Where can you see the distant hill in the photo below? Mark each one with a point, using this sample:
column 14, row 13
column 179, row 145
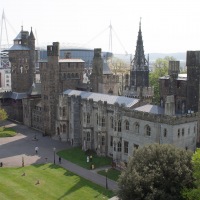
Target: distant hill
column 178, row 56
column 153, row 56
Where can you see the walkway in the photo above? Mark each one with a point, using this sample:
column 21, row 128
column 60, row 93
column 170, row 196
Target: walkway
column 12, row 150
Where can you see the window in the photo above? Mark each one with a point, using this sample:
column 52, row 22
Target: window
column 88, row 118
column 111, row 122
column 183, row 131
column 88, row 137
column 115, row 127
column 148, row 130
column 126, row 147
column 64, row 111
column 111, row 141
column 178, row 132
column 119, row 147
column 103, row 122
column 119, row 126
column 97, row 118
column 84, row 117
column 188, row 131
column 64, row 128
column 137, row 127
column 127, row 125
column 61, row 130
column 114, row 146
column 194, row 129
column 165, row 132
column 103, row 140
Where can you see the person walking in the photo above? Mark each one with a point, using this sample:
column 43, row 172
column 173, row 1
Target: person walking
column 36, row 150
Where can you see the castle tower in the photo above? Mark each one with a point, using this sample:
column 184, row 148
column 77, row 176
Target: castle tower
column 193, row 75
column 97, row 70
column 173, row 71
column 22, row 58
column 139, row 75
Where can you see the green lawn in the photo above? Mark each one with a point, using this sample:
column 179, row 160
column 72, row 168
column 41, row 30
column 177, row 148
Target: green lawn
column 55, row 183
column 112, row 174
column 7, row 132
column 79, row 157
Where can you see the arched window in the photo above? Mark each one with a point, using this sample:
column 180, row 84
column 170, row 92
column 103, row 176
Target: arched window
column 183, row 131
column 188, row 131
column 103, row 122
column 61, row 130
column 178, row 132
column 64, row 128
column 111, row 122
column 97, row 118
column 119, row 147
column 88, row 118
column 194, row 129
column 64, row 113
column 127, row 125
column 165, row 132
column 103, row 140
column 137, row 127
column 114, row 146
column 119, row 126
column 115, row 125
column 88, row 137
column 148, row 130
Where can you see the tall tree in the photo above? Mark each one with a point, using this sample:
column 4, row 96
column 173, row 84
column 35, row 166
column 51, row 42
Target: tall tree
column 194, row 194
column 160, row 68
column 156, row 172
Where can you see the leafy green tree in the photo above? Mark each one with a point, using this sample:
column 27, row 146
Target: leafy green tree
column 194, row 194
column 160, row 67
column 3, row 114
column 156, row 172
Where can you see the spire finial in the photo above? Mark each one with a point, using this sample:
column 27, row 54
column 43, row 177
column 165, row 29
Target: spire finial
column 140, row 23
column 22, row 28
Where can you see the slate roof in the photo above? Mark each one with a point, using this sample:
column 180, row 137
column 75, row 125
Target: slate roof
column 110, row 99
column 19, row 47
column 151, row 109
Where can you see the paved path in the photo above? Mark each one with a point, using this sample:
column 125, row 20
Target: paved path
column 12, row 150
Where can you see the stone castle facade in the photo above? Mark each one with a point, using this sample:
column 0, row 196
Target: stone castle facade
column 96, row 119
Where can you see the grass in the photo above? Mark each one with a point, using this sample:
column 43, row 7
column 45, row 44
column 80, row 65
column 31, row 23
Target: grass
column 79, row 157
column 112, row 174
column 55, row 182
column 7, row 132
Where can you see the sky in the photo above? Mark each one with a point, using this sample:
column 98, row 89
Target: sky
column 168, row 26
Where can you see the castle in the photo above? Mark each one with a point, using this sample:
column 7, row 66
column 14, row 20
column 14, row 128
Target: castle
column 98, row 118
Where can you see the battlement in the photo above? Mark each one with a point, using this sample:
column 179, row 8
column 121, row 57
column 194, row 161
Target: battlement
column 138, row 92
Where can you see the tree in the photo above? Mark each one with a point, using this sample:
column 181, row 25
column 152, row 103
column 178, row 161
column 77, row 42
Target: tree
column 156, row 172
column 118, row 66
column 3, row 114
column 160, row 67
column 194, row 194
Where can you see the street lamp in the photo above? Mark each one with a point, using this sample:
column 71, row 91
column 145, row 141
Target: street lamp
column 106, row 170
column 54, row 152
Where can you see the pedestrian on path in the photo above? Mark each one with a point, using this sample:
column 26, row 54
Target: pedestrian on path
column 36, row 150
column 59, row 160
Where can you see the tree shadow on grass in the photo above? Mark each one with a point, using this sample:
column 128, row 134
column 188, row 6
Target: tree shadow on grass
column 78, row 182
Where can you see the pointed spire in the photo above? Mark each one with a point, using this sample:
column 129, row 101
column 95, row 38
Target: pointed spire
column 31, row 34
column 140, row 24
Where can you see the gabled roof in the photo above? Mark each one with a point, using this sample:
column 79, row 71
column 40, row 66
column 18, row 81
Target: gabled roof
column 110, row 99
